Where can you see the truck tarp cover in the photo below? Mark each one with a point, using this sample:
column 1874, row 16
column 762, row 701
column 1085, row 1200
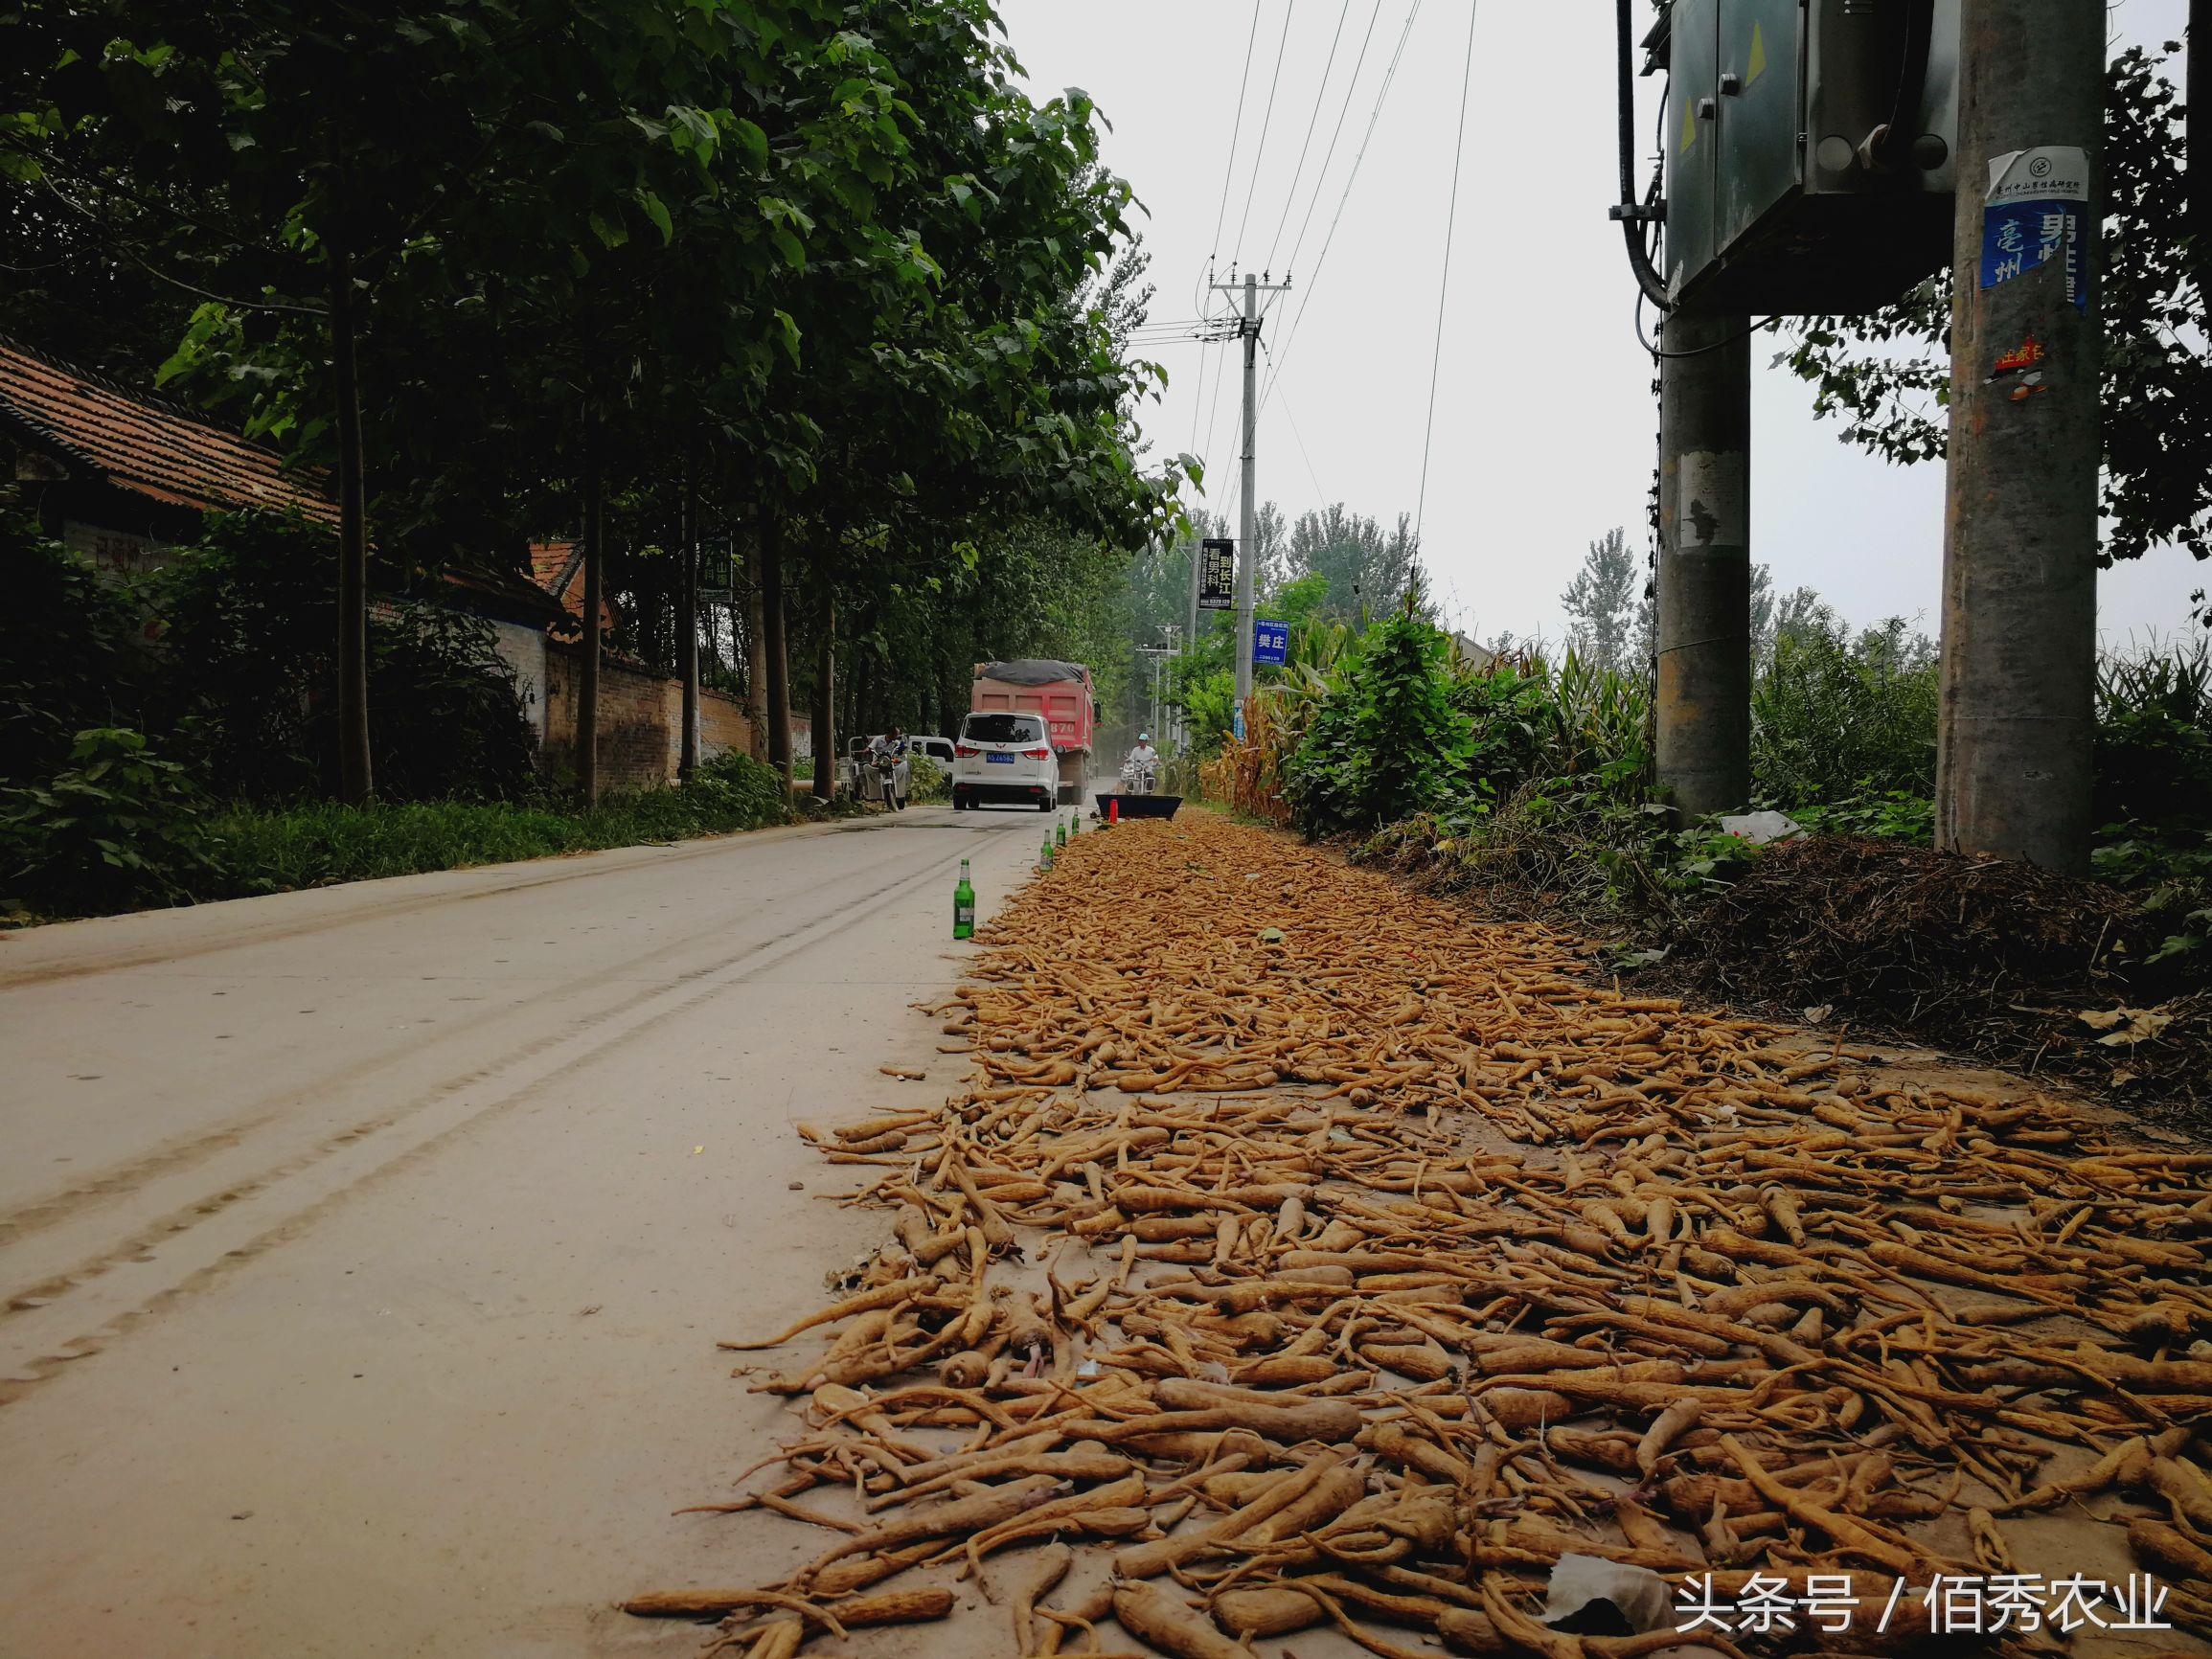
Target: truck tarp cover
column 1029, row 671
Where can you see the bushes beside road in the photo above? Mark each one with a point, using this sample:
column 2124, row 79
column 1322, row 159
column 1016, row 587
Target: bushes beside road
column 122, row 829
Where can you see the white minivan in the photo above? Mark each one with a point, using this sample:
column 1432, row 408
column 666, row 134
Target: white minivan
column 1005, row 758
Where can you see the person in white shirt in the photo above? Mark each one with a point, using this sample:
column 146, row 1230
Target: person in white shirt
column 892, row 747
column 1144, row 760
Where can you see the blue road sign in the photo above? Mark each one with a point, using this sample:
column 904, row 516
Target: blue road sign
column 1270, row 642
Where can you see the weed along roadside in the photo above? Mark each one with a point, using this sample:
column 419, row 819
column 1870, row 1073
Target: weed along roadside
column 1304, row 1251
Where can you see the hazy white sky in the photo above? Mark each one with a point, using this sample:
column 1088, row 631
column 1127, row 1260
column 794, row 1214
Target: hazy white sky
column 1546, row 425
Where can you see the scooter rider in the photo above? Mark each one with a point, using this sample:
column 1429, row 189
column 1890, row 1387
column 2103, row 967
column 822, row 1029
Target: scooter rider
column 1144, row 760
column 888, row 752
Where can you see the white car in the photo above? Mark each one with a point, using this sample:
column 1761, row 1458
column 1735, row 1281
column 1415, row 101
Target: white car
column 938, row 749
column 1004, row 757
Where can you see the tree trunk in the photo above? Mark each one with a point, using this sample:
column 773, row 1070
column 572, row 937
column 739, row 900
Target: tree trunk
column 594, row 567
column 776, row 683
column 826, row 686
column 687, row 621
column 356, row 778
column 756, row 653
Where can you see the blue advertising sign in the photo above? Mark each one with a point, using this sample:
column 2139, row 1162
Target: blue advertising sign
column 1271, row 643
column 2036, row 210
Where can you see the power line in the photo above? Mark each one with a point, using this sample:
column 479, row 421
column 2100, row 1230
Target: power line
column 1444, row 286
column 1221, row 213
column 1214, row 422
column 1312, row 120
column 1198, row 402
column 1351, row 178
column 1321, row 495
column 1320, row 178
column 1260, row 150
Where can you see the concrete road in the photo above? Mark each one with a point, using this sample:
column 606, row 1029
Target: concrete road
column 362, row 1250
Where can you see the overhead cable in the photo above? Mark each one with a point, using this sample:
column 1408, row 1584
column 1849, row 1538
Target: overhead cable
column 1444, row 286
column 1312, row 120
column 1351, row 178
column 1260, row 150
column 1344, row 109
column 1221, row 213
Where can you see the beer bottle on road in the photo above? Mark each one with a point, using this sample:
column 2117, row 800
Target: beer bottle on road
column 964, row 906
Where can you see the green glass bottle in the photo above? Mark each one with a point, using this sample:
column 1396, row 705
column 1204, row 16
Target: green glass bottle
column 1059, row 835
column 1044, row 855
column 964, row 906
column 1075, row 824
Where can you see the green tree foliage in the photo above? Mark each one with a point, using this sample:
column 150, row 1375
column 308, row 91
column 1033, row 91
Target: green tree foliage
column 2155, row 738
column 119, row 825
column 1365, row 568
column 1613, row 611
column 1887, row 374
column 249, row 625
column 830, row 264
column 1836, row 716
column 1601, row 601
column 1389, row 743
column 68, row 653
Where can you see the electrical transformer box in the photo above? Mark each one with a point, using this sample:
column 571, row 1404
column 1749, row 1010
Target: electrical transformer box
column 1810, row 150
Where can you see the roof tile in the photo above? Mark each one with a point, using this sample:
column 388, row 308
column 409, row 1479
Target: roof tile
column 152, row 448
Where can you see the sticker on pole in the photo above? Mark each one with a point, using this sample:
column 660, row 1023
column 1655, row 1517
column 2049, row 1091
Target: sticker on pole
column 1217, row 573
column 1271, row 643
column 2037, row 209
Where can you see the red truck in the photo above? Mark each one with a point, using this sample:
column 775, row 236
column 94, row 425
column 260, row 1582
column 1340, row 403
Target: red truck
column 1061, row 692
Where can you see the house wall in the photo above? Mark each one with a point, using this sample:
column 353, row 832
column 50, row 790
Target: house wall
column 114, row 552
column 523, row 649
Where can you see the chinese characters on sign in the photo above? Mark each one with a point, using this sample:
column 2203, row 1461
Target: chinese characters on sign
column 2037, row 209
column 1271, row 641
column 1216, row 575
column 2021, row 1603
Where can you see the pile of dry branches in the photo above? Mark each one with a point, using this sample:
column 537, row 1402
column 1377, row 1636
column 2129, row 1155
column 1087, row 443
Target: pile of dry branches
column 1304, row 1252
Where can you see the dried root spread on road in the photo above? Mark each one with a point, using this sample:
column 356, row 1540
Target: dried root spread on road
column 1305, row 1253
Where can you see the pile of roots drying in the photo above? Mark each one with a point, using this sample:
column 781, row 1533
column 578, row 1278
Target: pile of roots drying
column 1305, row 1253
column 1983, row 954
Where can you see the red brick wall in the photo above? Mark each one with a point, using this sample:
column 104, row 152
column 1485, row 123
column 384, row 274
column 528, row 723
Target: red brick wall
column 640, row 723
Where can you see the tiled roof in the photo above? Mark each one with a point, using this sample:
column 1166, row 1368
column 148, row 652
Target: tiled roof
column 151, row 448
column 555, row 566
column 558, row 567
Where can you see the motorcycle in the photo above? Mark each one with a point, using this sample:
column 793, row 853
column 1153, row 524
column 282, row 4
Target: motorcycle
column 1138, row 779
column 887, row 764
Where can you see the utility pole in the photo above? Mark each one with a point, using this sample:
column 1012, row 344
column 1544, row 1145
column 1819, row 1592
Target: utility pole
column 1704, row 597
column 1198, row 565
column 1248, row 509
column 2013, row 734
column 687, row 622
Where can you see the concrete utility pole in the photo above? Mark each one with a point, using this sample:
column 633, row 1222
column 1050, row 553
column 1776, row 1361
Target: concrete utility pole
column 1248, row 509
column 1705, row 598
column 2014, row 732
column 688, row 623
column 1197, row 564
